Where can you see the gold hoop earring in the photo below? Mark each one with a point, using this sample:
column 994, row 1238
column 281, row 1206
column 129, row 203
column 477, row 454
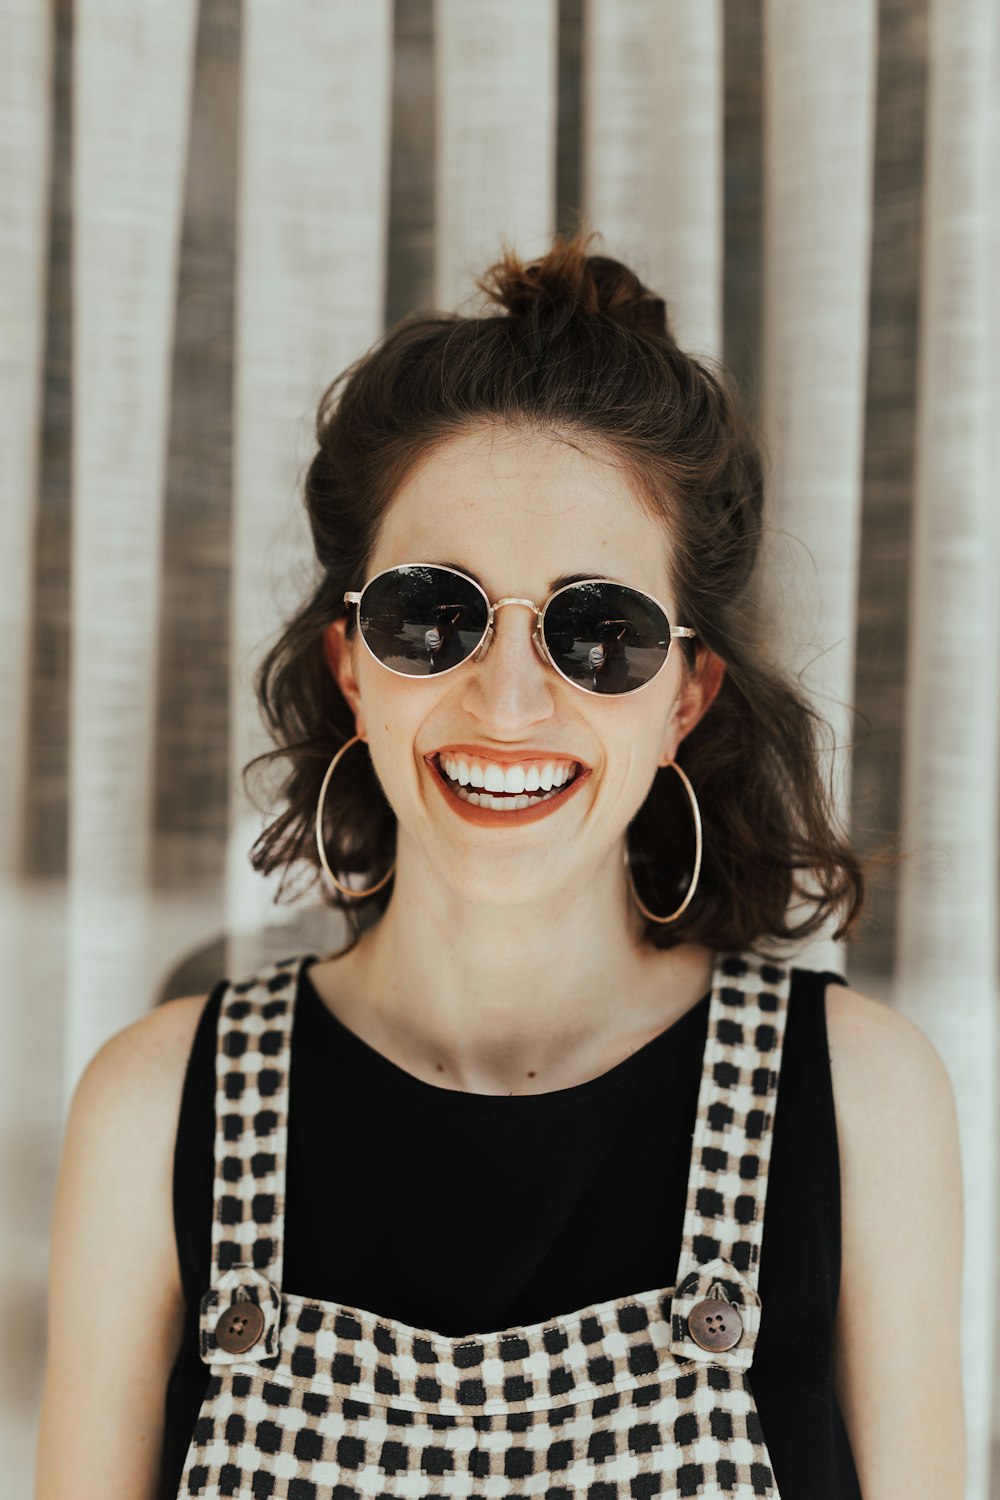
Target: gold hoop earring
column 344, row 889
column 696, row 812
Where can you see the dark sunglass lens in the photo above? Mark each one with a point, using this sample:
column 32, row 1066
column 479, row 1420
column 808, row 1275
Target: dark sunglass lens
column 606, row 637
column 421, row 620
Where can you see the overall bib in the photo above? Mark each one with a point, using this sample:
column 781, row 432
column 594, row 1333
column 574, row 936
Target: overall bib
column 643, row 1397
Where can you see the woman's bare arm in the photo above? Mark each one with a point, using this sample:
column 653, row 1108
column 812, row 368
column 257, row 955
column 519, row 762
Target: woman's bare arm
column 115, row 1304
column 897, row 1347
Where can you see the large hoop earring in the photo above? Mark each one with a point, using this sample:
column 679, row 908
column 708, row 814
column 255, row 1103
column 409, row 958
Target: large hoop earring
column 696, row 812
column 344, row 889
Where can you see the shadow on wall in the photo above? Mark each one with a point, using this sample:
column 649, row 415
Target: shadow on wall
column 196, row 972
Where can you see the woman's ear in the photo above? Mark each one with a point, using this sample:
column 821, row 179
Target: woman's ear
column 696, row 697
column 339, row 655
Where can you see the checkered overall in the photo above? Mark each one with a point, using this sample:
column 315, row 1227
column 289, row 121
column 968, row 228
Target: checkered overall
column 644, row 1397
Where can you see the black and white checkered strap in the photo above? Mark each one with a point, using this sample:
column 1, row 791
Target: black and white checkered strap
column 731, row 1150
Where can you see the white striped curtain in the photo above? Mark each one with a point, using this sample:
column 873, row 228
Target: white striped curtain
column 210, row 209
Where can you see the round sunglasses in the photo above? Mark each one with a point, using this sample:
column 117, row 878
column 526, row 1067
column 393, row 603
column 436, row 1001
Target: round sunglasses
column 425, row 619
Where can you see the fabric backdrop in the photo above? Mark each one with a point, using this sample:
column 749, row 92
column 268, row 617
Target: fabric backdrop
column 210, row 209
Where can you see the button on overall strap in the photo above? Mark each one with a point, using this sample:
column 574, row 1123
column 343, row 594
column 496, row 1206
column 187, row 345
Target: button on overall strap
column 715, row 1307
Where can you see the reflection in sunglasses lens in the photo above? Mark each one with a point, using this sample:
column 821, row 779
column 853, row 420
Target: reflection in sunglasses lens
column 606, row 637
column 420, row 620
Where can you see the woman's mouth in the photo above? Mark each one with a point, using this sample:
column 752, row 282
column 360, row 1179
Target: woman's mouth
column 494, row 809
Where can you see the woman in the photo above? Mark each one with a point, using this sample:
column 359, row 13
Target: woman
column 530, row 1116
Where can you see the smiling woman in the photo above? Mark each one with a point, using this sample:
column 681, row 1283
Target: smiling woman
column 562, row 1177
column 573, row 431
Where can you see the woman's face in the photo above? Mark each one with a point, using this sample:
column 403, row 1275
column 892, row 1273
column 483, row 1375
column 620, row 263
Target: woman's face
column 517, row 511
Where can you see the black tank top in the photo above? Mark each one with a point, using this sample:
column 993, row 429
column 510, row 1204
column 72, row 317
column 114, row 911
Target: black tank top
column 467, row 1212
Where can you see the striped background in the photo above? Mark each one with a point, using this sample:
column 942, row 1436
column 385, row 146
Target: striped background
column 207, row 210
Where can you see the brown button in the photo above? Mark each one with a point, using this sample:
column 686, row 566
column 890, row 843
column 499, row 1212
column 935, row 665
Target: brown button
column 715, row 1324
column 239, row 1328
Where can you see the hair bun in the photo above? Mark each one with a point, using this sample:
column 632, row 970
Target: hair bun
column 567, row 276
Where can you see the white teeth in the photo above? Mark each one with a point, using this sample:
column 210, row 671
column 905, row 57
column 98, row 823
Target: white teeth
column 503, row 804
column 493, row 778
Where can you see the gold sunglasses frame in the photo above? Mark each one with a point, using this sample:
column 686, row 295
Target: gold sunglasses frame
column 353, row 596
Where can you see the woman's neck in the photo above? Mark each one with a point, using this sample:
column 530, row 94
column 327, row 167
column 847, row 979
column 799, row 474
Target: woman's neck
column 505, row 1000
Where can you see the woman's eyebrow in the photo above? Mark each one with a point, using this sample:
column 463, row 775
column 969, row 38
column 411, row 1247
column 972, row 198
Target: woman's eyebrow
column 557, row 583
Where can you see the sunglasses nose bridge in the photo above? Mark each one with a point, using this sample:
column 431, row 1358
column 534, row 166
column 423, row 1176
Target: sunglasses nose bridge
column 536, row 632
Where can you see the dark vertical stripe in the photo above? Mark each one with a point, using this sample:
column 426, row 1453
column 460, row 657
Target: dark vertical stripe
column 192, row 713
column 44, row 852
column 890, row 436
column 410, row 271
column 743, row 196
column 569, row 118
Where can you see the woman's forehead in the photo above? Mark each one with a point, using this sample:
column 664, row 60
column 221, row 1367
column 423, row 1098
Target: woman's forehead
column 539, row 472
column 525, row 507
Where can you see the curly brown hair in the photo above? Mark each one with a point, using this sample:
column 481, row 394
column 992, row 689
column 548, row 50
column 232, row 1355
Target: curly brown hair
column 581, row 348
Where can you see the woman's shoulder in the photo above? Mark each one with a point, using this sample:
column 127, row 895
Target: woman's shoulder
column 898, row 1134
column 126, row 1104
column 902, row 1231
column 137, row 1074
column 866, row 1034
column 886, row 1074
column 876, row 1050
column 114, row 1282
column 884, row 1069
column 148, row 1054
